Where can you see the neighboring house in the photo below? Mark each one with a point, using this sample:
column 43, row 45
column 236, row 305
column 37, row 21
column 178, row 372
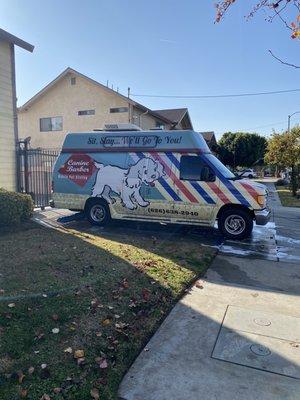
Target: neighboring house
column 74, row 102
column 210, row 139
column 8, row 113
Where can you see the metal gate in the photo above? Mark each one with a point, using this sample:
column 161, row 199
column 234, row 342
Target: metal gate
column 35, row 172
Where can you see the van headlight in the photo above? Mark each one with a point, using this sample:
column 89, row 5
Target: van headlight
column 262, row 199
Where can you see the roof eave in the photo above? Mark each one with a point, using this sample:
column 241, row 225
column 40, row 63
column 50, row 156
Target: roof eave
column 8, row 37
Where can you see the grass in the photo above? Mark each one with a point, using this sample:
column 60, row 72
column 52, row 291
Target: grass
column 105, row 294
column 286, row 197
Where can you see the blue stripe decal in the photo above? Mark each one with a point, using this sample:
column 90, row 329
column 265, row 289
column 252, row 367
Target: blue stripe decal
column 195, row 185
column 164, row 183
column 238, row 195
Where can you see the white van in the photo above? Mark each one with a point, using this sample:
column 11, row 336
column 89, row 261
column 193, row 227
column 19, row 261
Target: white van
column 163, row 176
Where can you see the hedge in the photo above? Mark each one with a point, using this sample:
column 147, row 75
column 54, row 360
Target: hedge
column 14, row 207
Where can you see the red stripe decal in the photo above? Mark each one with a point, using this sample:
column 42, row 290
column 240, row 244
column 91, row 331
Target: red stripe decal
column 250, row 190
column 177, row 182
column 222, row 196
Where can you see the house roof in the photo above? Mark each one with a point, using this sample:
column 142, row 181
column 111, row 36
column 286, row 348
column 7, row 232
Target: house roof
column 74, row 72
column 209, row 137
column 8, row 37
column 173, row 114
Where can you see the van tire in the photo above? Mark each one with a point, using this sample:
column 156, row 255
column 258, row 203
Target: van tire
column 235, row 224
column 250, row 176
column 97, row 212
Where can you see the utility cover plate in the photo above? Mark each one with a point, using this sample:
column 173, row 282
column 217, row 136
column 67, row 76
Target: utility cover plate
column 265, row 341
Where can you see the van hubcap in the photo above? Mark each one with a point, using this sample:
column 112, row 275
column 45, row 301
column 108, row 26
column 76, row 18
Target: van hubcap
column 235, row 224
column 97, row 213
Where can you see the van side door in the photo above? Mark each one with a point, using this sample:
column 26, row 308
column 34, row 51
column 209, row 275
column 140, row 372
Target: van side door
column 194, row 176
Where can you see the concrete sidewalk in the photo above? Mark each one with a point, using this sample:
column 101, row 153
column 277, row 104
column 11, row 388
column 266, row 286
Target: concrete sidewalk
column 234, row 336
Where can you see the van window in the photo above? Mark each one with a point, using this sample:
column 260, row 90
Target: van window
column 192, row 168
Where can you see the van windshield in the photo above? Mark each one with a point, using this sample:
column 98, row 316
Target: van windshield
column 220, row 167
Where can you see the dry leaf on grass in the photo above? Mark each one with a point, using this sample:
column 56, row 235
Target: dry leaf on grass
column 95, row 394
column 78, row 354
column 106, row 322
column 30, row 370
column 11, row 305
column 23, row 393
column 68, row 350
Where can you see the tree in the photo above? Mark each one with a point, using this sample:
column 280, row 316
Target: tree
column 284, row 151
column 241, row 148
column 279, row 9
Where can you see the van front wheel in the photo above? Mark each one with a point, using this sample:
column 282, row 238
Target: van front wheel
column 235, row 224
column 97, row 213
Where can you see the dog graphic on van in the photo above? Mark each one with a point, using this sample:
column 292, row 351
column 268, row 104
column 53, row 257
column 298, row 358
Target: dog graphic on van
column 126, row 183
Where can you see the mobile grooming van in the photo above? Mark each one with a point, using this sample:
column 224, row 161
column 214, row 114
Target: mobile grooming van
column 162, row 176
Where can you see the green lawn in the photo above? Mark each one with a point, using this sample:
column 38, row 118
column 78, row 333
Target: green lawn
column 104, row 295
column 286, row 197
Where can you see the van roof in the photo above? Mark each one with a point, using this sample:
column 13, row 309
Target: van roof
column 129, row 141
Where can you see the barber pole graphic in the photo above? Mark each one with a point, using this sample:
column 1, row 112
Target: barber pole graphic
column 78, row 168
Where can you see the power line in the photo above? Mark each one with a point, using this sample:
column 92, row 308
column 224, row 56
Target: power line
column 217, row 96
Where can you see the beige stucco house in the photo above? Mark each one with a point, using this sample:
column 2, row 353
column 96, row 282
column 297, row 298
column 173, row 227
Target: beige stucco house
column 74, row 102
column 8, row 111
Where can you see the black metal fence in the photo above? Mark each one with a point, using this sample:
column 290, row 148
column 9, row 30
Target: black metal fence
column 35, row 172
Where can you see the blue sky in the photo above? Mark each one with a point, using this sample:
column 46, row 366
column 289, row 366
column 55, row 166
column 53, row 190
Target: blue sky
column 162, row 47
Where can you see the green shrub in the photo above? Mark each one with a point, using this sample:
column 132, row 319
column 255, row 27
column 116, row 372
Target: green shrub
column 14, row 207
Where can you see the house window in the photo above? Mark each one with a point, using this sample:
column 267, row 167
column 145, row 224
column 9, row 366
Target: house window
column 51, row 124
column 118, row 109
column 86, row 112
column 73, row 80
column 159, row 125
column 192, row 168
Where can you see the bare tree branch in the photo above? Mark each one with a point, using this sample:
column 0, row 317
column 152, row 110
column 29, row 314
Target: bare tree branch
column 283, row 62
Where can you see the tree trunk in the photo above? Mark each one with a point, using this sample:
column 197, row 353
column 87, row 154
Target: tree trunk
column 294, row 181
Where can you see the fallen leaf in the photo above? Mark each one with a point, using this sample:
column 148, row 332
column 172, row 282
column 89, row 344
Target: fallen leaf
column 80, row 361
column 30, row 370
column 78, row 354
column 98, row 334
column 106, row 322
column 103, row 364
column 68, row 350
column 44, row 295
column 23, row 393
column 56, row 390
column 121, row 325
column 146, row 294
column 45, row 397
column 55, row 330
column 43, row 366
column 2, row 291
column 21, row 376
column 55, row 317
column 11, row 305
column 125, row 283
column 95, row 393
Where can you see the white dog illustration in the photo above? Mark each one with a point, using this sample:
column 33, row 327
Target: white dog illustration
column 126, row 182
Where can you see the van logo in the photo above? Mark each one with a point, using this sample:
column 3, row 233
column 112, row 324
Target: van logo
column 126, row 183
column 78, row 168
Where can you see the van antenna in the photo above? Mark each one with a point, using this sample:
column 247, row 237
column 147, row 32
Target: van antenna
column 107, row 83
column 128, row 92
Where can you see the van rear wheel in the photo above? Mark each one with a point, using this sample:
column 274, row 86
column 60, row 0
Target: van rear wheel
column 97, row 213
column 235, row 224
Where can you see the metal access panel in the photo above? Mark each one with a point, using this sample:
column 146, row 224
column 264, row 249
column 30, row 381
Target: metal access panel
column 265, row 341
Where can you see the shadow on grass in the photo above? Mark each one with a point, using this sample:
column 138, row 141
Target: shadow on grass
column 106, row 295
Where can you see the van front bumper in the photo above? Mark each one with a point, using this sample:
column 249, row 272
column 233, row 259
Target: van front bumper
column 262, row 217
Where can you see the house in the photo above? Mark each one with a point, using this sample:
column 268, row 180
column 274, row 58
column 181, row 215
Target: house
column 75, row 102
column 8, row 109
column 210, row 139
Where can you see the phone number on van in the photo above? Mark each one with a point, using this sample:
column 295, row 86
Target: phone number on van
column 173, row 212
